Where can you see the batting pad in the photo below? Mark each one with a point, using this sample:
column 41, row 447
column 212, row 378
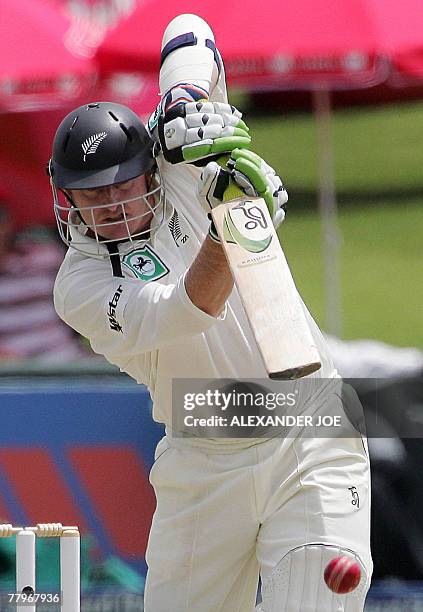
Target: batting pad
column 297, row 583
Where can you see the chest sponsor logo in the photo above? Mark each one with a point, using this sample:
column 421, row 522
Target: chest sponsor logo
column 111, row 312
column 145, row 264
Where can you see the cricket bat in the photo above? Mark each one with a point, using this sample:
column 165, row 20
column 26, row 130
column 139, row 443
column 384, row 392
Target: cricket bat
column 266, row 287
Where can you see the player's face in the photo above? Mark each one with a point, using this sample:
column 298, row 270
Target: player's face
column 116, row 210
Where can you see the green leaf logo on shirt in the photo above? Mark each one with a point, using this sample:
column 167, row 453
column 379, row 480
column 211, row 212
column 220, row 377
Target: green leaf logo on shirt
column 145, row 264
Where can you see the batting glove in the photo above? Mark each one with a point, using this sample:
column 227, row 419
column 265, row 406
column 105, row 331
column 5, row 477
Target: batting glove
column 251, row 174
column 192, row 129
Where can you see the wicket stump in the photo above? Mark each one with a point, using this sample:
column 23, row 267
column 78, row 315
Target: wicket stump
column 25, row 563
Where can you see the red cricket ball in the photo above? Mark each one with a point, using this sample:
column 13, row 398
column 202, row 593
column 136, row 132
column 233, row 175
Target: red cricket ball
column 342, row 574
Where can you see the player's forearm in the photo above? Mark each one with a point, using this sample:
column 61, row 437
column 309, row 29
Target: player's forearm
column 208, row 281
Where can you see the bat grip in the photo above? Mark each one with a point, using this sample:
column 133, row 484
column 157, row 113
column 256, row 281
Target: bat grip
column 232, row 191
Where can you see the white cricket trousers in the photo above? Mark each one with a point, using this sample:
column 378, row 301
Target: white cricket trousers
column 224, row 515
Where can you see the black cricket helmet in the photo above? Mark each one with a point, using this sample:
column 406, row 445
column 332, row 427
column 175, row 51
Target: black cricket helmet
column 100, row 144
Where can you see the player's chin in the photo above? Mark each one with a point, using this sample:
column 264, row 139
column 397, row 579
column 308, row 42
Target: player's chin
column 123, row 231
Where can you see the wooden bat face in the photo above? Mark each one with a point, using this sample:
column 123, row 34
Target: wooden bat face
column 266, row 288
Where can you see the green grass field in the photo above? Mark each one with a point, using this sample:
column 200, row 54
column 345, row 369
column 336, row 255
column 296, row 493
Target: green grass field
column 379, row 177
column 375, row 148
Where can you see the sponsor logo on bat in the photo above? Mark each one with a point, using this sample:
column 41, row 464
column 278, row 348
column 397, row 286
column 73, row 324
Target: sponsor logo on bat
column 246, row 225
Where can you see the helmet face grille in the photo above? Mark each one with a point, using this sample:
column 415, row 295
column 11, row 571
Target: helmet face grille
column 100, row 144
column 135, row 217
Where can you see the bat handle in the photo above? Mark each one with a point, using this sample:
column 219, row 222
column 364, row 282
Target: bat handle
column 232, row 191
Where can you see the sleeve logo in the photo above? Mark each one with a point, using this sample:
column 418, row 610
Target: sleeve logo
column 111, row 312
column 154, row 119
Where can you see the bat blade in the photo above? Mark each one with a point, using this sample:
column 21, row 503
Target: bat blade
column 266, row 288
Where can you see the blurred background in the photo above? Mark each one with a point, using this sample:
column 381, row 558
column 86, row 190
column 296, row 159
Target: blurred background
column 333, row 95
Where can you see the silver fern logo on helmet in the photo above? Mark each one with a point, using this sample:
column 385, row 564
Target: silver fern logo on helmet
column 90, row 145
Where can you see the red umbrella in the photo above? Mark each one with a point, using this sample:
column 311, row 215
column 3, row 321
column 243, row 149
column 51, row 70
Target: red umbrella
column 35, row 63
column 282, row 44
column 43, row 69
column 38, row 73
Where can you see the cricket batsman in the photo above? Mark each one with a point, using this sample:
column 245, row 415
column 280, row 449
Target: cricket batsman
column 145, row 279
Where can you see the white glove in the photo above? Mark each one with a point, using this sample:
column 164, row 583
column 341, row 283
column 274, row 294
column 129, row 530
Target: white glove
column 191, row 131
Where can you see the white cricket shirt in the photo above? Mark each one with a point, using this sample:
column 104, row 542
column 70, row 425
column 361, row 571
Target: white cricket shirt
column 145, row 322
